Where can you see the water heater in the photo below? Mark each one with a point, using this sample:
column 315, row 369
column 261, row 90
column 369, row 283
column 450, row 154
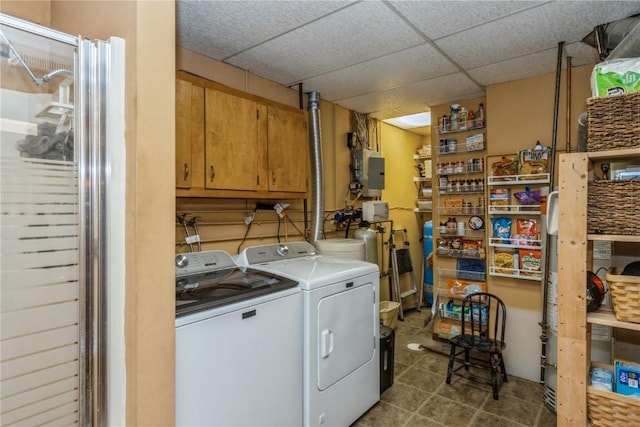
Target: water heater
column 369, row 172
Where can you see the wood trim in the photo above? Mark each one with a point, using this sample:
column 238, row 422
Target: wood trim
column 573, row 351
column 239, row 194
column 202, row 82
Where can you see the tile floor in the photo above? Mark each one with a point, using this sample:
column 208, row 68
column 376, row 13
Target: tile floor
column 420, row 397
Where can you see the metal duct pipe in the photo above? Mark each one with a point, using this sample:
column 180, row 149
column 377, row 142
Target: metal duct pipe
column 629, row 46
column 317, row 187
column 615, row 40
column 582, row 132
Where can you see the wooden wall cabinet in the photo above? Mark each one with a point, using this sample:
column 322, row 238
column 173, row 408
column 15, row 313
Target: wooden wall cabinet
column 288, row 158
column 235, row 143
column 230, row 144
column 189, row 133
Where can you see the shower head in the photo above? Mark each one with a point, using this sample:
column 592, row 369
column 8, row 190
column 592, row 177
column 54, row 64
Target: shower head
column 37, row 80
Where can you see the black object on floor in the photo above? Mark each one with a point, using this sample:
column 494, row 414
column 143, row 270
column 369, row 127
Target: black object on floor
column 387, row 346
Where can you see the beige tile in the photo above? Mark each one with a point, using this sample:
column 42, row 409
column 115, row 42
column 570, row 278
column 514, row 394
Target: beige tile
column 433, row 362
column 447, row 412
column 398, row 369
column 420, row 421
column 484, row 419
column 514, row 409
column 383, row 415
column 424, row 380
column 407, row 357
column 522, row 389
column 463, row 391
column 405, row 397
column 546, row 418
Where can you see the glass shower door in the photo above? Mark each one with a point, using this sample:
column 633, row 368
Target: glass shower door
column 53, row 199
column 42, row 299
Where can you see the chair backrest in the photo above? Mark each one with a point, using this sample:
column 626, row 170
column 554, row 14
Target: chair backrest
column 484, row 314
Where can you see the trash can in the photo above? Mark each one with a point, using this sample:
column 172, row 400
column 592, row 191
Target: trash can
column 387, row 337
column 389, row 313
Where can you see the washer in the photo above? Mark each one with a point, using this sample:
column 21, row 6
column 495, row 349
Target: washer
column 341, row 328
column 238, row 344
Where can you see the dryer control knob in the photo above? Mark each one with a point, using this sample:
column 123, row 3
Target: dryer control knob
column 282, row 250
column 181, row 261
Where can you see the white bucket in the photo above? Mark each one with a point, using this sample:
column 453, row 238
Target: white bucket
column 343, row 248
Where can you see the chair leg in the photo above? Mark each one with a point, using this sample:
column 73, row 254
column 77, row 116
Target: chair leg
column 504, row 371
column 494, row 376
column 452, row 356
column 467, row 362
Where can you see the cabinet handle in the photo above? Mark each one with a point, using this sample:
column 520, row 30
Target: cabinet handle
column 273, row 177
column 212, row 174
column 186, row 172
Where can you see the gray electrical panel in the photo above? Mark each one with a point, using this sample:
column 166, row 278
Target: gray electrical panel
column 369, row 169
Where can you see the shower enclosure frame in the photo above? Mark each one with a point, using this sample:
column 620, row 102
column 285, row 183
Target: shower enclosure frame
column 98, row 130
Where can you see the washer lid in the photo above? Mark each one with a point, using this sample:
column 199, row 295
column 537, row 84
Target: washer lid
column 221, row 287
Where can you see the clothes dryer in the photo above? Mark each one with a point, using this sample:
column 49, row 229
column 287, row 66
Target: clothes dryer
column 341, row 366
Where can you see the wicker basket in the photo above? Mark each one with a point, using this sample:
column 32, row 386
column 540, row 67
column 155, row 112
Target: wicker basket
column 613, row 122
column 625, row 295
column 608, row 409
column 612, row 207
column 389, row 313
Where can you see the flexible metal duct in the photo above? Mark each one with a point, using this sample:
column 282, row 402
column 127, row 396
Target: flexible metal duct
column 629, row 46
column 617, row 39
column 317, row 187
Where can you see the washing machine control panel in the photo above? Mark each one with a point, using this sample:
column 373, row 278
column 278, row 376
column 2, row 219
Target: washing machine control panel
column 274, row 252
column 197, row 262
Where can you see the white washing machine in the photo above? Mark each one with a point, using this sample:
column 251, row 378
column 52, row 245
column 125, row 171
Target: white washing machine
column 238, row 344
column 341, row 369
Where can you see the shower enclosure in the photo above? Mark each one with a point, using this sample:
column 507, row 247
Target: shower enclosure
column 60, row 129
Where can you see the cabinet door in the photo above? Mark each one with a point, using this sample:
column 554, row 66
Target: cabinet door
column 234, row 150
column 189, row 134
column 288, row 150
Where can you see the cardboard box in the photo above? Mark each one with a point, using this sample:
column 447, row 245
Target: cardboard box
column 475, row 142
column 448, row 329
column 627, row 377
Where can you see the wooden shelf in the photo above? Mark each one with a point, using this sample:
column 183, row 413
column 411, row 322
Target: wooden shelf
column 614, row 154
column 605, row 316
column 614, row 237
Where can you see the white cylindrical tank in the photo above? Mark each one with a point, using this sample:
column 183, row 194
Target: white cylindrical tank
column 343, row 248
column 370, row 239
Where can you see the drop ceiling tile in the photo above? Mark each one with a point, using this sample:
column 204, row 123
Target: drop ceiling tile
column 429, row 92
column 571, row 21
column 517, row 68
column 383, row 73
column 352, row 35
column 218, row 29
column 521, row 34
column 437, row 19
column 581, row 54
column 530, row 31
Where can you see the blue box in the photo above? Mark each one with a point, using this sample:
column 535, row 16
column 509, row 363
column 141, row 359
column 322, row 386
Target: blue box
column 627, row 376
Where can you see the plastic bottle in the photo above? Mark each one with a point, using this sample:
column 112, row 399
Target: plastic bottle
column 370, row 238
column 454, row 117
column 480, row 116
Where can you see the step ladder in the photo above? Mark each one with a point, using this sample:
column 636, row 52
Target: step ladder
column 399, row 265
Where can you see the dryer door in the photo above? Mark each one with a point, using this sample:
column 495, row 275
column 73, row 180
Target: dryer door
column 346, row 336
